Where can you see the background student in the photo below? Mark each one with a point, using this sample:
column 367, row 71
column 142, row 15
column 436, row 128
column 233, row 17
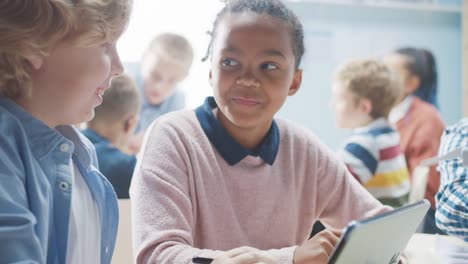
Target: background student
column 364, row 92
column 165, row 64
column 110, row 130
column 418, row 122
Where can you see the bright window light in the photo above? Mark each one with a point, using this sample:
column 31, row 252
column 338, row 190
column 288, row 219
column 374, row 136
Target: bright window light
column 190, row 18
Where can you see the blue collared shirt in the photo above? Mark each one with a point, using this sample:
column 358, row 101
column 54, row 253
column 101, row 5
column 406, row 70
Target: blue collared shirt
column 114, row 164
column 150, row 112
column 226, row 145
column 452, row 198
column 35, row 188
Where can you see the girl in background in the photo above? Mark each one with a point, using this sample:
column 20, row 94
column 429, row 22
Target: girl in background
column 417, row 118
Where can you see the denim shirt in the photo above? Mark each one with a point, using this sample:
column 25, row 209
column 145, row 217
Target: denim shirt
column 36, row 184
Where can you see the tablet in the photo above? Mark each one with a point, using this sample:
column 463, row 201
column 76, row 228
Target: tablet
column 379, row 239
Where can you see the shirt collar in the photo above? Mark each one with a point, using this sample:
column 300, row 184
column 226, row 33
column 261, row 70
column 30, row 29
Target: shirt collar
column 84, row 150
column 375, row 124
column 44, row 139
column 227, row 146
column 400, row 110
column 377, row 127
column 93, row 136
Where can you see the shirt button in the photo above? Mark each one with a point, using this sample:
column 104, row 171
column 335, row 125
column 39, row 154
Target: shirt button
column 64, row 147
column 107, row 250
column 64, row 186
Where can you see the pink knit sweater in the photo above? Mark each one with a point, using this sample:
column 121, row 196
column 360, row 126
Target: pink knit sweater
column 187, row 201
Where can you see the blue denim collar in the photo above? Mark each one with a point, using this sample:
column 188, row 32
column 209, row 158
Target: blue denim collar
column 44, row 139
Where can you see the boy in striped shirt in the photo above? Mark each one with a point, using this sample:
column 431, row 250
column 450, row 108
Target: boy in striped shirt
column 364, row 91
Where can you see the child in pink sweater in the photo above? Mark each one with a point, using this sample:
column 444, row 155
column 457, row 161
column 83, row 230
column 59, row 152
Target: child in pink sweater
column 229, row 174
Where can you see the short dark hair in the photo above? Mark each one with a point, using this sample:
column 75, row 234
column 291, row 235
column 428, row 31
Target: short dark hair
column 422, row 63
column 120, row 100
column 274, row 8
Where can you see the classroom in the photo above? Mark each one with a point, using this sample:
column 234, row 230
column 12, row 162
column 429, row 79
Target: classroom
column 234, row 131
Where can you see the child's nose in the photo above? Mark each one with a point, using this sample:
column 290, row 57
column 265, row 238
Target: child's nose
column 247, row 77
column 116, row 64
column 248, row 82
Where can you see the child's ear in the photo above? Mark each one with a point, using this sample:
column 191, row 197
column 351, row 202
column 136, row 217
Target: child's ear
column 35, row 61
column 412, row 84
column 296, row 83
column 210, row 78
column 365, row 105
column 130, row 123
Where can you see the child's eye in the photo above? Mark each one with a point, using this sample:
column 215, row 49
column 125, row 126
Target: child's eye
column 229, row 62
column 268, row 66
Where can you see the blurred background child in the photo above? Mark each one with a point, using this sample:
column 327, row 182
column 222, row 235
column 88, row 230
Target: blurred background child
column 165, row 63
column 418, row 121
column 421, row 64
column 364, row 91
column 110, row 130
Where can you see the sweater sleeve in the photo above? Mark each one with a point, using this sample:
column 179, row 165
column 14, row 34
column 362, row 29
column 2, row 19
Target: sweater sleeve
column 354, row 202
column 162, row 211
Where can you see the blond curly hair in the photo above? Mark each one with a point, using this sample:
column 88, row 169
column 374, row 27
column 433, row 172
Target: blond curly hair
column 373, row 80
column 33, row 27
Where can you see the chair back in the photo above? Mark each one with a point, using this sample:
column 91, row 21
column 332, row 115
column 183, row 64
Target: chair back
column 123, row 247
column 418, row 184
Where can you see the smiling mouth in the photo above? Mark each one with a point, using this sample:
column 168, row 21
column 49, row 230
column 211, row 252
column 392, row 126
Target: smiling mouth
column 246, row 101
column 100, row 92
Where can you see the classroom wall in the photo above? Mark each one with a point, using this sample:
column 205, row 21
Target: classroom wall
column 184, row 17
column 335, row 33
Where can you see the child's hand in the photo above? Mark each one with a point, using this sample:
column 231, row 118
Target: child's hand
column 243, row 255
column 317, row 249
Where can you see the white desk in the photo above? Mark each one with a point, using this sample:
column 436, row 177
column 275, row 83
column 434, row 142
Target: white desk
column 421, row 248
column 123, row 247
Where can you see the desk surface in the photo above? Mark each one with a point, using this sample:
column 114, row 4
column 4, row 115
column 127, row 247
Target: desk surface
column 421, row 248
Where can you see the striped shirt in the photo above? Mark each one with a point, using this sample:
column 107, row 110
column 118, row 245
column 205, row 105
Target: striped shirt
column 452, row 198
column 373, row 156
